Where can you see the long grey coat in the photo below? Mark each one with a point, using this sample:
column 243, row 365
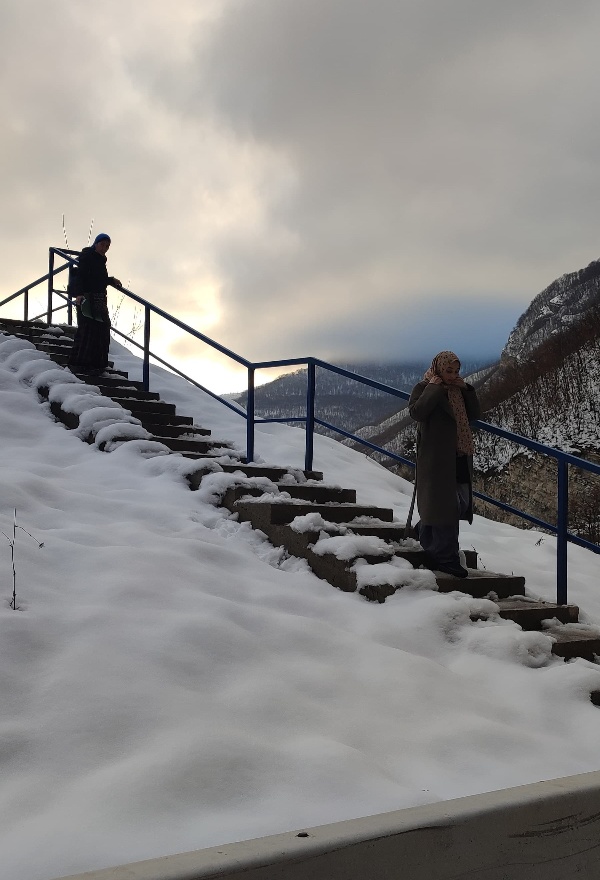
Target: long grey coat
column 436, row 452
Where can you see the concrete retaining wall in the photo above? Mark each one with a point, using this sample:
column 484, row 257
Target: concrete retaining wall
column 546, row 831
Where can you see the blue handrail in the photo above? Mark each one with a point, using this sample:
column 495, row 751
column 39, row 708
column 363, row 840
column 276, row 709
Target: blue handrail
column 563, row 459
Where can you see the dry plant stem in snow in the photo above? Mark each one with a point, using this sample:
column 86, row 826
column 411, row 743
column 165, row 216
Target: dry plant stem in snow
column 12, row 541
column 136, row 321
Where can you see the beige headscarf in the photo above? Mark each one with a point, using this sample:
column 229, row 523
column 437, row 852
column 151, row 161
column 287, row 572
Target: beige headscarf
column 464, row 436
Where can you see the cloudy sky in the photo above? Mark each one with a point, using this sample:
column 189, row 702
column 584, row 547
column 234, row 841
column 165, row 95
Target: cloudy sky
column 338, row 178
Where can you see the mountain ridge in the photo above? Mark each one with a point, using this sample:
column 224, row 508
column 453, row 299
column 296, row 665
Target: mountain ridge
column 347, row 403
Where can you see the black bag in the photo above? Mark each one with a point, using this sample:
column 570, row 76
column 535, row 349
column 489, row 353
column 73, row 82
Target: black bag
column 73, row 282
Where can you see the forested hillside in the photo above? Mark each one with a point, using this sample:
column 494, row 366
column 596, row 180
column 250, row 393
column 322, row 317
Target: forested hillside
column 566, row 301
column 560, row 406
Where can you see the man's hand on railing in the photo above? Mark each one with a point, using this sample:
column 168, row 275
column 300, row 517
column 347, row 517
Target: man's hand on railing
column 115, row 283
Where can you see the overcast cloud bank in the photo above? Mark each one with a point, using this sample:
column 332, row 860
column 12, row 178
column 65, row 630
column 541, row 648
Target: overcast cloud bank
column 412, row 173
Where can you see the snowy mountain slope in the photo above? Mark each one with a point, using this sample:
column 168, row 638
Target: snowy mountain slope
column 173, row 682
column 561, row 408
column 562, row 303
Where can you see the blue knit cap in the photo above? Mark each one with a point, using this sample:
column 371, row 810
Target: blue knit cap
column 102, row 236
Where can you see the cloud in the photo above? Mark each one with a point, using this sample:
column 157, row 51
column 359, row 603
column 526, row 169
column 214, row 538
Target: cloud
column 427, row 148
column 332, row 178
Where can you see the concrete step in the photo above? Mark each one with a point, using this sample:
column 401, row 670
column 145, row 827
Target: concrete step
column 63, row 361
column 17, row 327
column 571, row 644
column 272, row 473
column 146, row 407
column 175, row 444
column 389, row 531
column 120, row 393
column 280, row 513
column 303, row 491
column 481, row 584
column 211, row 456
column 117, row 374
column 60, row 345
column 394, row 532
column 419, row 558
column 480, row 587
column 338, row 572
column 42, row 338
column 529, row 614
column 69, row 420
column 112, row 381
column 175, row 430
column 319, row 494
column 149, row 419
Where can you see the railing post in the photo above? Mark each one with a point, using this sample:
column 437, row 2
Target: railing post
column 146, row 366
column 26, row 305
column 250, row 416
column 50, row 283
column 70, row 287
column 310, row 415
column 562, row 527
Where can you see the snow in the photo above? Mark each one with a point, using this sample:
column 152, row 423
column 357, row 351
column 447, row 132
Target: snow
column 567, row 421
column 398, row 572
column 172, row 681
column 350, row 546
column 313, row 522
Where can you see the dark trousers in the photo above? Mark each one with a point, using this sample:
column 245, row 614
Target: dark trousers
column 91, row 344
column 441, row 542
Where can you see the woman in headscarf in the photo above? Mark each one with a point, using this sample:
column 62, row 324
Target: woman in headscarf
column 92, row 340
column 443, row 404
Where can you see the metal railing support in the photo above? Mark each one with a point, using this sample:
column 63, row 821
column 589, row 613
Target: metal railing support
column 310, row 414
column 146, row 364
column 26, row 305
column 250, row 416
column 562, row 528
column 50, row 284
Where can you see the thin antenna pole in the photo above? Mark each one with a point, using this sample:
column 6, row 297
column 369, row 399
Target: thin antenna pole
column 65, row 231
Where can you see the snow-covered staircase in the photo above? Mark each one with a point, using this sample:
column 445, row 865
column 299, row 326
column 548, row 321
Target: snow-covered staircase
column 354, row 547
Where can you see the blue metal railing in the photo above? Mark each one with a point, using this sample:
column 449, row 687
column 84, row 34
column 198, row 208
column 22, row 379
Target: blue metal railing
column 564, row 460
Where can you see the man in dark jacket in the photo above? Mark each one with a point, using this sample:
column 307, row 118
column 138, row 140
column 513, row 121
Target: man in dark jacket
column 90, row 347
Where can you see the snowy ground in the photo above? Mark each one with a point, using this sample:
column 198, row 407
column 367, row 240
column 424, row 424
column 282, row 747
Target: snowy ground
column 171, row 682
